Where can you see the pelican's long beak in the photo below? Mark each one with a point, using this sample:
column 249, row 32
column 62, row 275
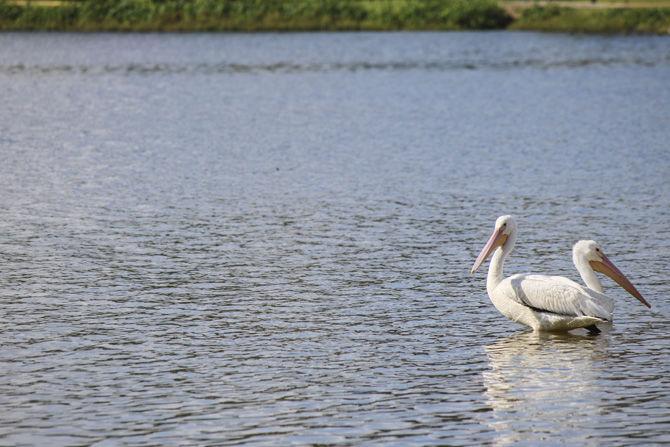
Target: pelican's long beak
column 609, row 269
column 497, row 239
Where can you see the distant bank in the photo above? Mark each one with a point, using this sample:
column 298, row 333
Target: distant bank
column 626, row 16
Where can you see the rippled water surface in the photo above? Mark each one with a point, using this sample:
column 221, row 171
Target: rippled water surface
column 265, row 239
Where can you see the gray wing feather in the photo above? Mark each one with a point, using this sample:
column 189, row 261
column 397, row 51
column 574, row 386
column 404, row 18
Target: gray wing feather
column 558, row 295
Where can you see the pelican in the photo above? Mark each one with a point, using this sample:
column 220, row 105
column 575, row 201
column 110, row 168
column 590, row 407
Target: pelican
column 551, row 303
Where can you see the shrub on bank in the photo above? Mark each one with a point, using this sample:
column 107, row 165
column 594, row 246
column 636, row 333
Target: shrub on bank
column 615, row 20
column 303, row 15
column 243, row 15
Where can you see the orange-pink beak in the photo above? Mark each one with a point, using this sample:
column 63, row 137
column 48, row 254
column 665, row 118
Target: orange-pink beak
column 608, row 268
column 497, row 239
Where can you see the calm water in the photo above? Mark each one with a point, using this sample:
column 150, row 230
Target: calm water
column 265, row 239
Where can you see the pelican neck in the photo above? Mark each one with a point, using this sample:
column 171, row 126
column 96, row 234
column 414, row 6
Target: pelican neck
column 588, row 275
column 495, row 275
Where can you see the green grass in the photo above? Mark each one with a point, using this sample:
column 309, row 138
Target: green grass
column 255, row 15
column 647, row 20
column 307, row 15
column 632, row 3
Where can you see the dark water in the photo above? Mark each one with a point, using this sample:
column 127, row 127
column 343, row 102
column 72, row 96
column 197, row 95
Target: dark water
column 265, row 239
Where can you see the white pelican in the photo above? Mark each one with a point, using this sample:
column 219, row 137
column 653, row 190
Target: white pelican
column 550, row 303
column 589, row 258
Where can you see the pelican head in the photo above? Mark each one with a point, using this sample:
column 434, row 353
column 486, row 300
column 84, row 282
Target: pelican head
column 504, row 230
column 592, row 253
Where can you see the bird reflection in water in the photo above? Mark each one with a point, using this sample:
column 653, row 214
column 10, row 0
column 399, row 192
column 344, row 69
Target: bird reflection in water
column 544, row 386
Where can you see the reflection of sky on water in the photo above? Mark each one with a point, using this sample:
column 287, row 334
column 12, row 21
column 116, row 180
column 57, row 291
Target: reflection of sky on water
column 265, row 238
column 536, row 380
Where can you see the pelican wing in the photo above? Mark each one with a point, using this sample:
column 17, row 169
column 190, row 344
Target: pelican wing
column 558, row 295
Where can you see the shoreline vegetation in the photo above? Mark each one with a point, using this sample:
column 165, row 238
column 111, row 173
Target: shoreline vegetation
column 625, row 16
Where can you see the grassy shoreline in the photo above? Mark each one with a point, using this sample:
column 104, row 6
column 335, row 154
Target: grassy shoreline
column 604, row 21
column 329, row 15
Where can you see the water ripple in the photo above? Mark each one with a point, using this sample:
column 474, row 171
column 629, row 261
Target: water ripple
column 292, row 67
column 283, row 260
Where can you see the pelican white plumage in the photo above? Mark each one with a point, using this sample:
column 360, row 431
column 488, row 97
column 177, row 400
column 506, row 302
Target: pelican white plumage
column 589, row 258
column 550, row 303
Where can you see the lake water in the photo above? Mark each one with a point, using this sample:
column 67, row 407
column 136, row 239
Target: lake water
column 219, row 239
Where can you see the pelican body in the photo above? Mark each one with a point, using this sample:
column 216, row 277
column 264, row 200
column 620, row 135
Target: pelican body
column 551, row 303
